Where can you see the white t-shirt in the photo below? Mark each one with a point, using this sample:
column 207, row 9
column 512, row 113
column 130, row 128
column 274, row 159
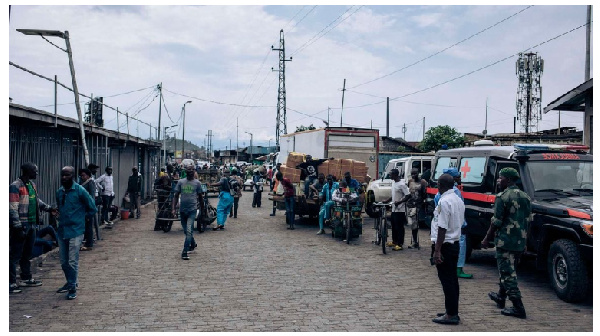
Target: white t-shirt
column 399, row 191
column 449, row 214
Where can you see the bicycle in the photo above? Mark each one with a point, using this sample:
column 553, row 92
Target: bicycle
column 381, row 225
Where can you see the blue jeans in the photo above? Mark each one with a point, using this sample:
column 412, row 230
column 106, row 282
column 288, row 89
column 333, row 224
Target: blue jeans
column 289, row 210
column 224, row 207
column 69, row 258
column 187, row 223
column 463, row 251
column 325, row 213
column 307, row 183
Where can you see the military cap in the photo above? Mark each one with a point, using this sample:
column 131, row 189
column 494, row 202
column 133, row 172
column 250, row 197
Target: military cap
column 451, row 171
column 509, row 172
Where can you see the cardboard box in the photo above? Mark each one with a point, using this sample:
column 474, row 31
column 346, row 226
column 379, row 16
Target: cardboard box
column 291, row 174
column 294, row 159
column 324, row 168
column 345, row 166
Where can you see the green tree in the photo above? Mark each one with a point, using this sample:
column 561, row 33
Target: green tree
column 305, row 128
column 437, row 136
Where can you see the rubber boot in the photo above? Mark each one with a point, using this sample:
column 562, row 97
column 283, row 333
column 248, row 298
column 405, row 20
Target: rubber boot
column 499, row 298
column 461, row 274
column 517, row 310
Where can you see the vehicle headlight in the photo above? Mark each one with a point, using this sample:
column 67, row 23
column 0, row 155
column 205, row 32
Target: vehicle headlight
column 588, row 227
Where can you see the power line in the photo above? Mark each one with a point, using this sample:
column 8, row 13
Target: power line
column 215, row 102
column 441, row 51
column 68, row 88
column 476, row 70
column 305, row 15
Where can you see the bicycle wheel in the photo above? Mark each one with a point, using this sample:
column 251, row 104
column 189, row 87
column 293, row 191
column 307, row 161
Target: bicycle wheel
column 377, row 233
column 383, row 234
column 348, row 228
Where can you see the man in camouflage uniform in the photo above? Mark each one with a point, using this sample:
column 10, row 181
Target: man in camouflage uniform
column 512, row 211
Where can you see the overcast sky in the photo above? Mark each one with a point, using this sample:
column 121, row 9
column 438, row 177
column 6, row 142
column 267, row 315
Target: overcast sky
column 440, row 63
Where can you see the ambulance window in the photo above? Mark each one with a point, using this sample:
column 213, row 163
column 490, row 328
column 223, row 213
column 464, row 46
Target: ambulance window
column 472, row 169
column 442, row 163
column 417, row 164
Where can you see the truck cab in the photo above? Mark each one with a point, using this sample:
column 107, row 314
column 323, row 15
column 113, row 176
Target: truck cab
column 558, row 179
column 381, row 189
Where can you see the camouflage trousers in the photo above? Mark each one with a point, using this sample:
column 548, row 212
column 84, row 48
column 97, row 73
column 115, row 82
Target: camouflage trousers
column 508, row 275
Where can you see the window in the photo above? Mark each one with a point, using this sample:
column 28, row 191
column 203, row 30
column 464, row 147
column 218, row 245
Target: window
column 472, row 169
column 442, row 163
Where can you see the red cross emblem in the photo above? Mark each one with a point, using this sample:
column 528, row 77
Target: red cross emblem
column 465, row 169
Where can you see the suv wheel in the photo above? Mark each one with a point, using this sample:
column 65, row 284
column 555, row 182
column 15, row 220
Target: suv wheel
column 369, row 206
column 567, row 272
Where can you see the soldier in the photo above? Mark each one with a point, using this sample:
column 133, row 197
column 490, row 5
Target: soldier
column 509, row 224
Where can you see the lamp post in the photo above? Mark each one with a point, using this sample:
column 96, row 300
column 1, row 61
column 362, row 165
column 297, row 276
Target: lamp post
column 65, row 35
column 250, row 146
column 183, row 131
column 165, row 144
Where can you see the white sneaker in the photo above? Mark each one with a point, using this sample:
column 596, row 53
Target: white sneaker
column 106, row 223
column 110, row 222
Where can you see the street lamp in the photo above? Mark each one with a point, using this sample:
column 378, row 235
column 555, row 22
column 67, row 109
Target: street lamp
column 250, row 146
column 165, row 144
column 183, row 132
column 65, row 35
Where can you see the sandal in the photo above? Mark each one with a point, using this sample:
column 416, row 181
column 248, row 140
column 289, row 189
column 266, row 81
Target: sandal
column 85, row 248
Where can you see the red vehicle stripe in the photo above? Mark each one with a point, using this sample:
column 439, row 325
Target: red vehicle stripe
column 578, row 214
column 479, row 197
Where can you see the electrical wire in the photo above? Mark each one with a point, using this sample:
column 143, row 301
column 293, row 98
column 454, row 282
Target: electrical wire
column 443, row 50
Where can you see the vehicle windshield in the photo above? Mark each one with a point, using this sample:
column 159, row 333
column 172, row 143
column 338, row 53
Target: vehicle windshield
column 562, row 177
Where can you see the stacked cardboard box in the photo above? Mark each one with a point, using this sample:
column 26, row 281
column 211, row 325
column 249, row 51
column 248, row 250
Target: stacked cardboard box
column 359, row 171
column 346, row 166
column 333, row 167
column 292, row 174
column 294, row 159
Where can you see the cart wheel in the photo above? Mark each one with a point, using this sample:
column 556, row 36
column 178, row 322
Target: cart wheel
column 167, row 226
column 158, row 225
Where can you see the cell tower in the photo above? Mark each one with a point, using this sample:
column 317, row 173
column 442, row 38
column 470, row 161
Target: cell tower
column 281, row 124
column 529, row 69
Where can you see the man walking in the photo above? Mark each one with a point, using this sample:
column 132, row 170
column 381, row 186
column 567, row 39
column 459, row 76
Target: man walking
column 258, row 187
column 189, row 189
column 24, row 213
column 134, row 188
column 400, row 194
column 105, row 183
column 448, row 217
column 74, row 204
column 237, row 194
column 512, row 211
column 288, row 193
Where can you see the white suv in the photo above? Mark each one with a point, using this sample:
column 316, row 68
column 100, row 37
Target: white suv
column 381, row 189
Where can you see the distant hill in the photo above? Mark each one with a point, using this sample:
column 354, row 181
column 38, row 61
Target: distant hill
column 173, row 144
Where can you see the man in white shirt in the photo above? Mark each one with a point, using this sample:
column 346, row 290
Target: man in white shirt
column 400, row 194
column 105, row 184
column 448, row 218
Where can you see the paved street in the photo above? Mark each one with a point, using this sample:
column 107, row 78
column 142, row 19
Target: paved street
column 258, row 276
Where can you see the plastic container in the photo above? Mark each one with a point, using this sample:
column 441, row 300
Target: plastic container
column 124, row 214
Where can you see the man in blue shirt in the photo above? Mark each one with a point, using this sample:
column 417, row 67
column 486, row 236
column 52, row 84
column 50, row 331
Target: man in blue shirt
column 326, row 197
column 74, row 204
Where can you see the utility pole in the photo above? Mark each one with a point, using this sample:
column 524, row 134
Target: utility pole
column 486, row 112
column 404, row 132
column 183, row 131
column 237, row 142
column 387, row 119
column 159, row 87
column 281, row 121
column 423, row 128
column 55, row 97
column 529, row 69
column 587, row 114
column 343, row 91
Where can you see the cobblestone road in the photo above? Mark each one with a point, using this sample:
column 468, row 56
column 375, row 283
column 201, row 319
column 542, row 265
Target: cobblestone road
column 258, row 276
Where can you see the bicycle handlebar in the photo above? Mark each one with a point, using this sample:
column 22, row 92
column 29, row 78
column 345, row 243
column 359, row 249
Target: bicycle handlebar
column 383, row 204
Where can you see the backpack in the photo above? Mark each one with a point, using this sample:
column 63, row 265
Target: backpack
column 234, row 186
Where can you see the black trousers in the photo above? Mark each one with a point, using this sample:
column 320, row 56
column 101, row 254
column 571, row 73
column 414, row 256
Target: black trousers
column 233, row 211
column 89, row 231
column 447, row 275
column 256, row 198
column 398, row 222
column 20, row 252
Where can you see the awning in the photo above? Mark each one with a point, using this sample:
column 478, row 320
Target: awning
column 573, row 100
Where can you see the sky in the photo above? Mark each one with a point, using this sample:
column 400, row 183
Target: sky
column 438, row 63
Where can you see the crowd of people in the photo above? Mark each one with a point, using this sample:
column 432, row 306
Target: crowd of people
column 73, row 221
column 78, row 202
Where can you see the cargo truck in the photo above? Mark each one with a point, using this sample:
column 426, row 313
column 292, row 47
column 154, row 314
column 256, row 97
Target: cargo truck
column 360, row 144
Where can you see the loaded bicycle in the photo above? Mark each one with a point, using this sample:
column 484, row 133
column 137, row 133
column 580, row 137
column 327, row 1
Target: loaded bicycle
column 347, row 220
column 381, row 225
